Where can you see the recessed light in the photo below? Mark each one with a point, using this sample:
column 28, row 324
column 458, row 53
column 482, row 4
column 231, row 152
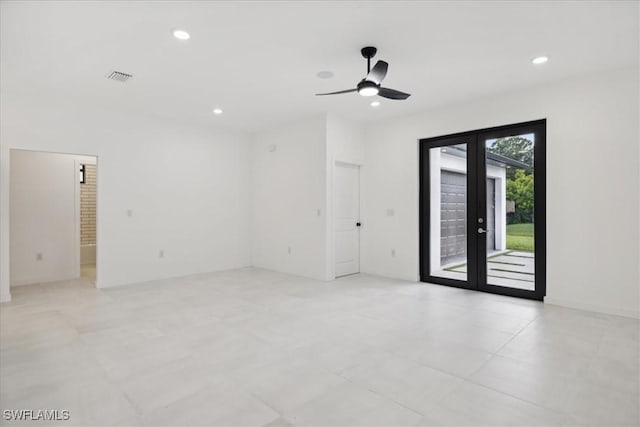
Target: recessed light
column 539, row 60
column 324, row 74
column 181, row 35
column 375, row 104
column 217, row 111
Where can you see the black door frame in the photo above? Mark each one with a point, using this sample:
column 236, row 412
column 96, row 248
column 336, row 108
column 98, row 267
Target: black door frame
column 476, row 200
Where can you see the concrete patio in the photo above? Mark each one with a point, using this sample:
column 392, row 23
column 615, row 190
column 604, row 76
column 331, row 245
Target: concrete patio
column 513, row 269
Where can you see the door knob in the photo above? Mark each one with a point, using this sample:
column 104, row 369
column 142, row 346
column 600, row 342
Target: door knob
column 358, row 224
column 481, row 230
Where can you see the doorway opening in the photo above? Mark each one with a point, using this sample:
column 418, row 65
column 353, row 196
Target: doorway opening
column 88, row 170
column 482, row 210
column 53, row 218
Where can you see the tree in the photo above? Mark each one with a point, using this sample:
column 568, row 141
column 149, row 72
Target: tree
column 520, row 190
column 514, row 147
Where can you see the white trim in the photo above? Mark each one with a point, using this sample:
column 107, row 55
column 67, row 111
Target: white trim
column 36, row 280
column 95, row 279
column 5, row 297
column 592, row 307
column 5, row 221
column 76, row 218
column 402, row 277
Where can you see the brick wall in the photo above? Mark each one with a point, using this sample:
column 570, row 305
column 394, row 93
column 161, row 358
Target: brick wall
column 88, row 207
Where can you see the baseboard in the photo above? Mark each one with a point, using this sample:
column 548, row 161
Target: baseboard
column 101, row 284
column 43, row 279
column 635, row 314
column 322, row 276
column 5, row 297
column 387, row 275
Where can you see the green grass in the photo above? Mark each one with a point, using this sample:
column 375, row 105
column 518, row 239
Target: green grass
column 520, row 229
column 520, row 237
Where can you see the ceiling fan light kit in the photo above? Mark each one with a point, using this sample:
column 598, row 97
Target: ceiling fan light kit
column 367, row 88
column 370, row 85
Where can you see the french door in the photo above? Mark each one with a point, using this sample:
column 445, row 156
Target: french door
column 482, row 210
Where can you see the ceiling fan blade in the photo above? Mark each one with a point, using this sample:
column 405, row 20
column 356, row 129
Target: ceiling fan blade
column 392, row 93
column 378, row 72
column 337, row 93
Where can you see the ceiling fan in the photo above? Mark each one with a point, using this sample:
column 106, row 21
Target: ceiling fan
column 370, row 85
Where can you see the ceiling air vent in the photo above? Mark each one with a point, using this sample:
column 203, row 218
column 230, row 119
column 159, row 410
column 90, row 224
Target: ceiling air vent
column 119, row 77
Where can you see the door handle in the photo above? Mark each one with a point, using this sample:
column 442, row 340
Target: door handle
column 481, row 230
column 358, row 224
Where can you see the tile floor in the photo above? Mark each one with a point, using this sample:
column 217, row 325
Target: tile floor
column 254, row 347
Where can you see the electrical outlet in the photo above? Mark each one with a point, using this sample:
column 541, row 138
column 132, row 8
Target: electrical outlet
column 161, row 253
column 319, row 212
column 39, row 256
column 289, row 250
column 129, row 212
column 393, row 253
column 391, row 212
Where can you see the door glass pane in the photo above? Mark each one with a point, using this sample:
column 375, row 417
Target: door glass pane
column 509, row 221
column 448, row 211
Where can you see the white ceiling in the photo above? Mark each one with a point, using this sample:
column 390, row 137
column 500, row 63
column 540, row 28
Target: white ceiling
column 258, row 60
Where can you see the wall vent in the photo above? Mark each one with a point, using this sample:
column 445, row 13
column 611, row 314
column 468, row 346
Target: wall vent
column 119, row 76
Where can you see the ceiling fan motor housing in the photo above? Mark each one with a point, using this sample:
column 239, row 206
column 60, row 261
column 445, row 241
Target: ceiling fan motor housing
column 368, row 88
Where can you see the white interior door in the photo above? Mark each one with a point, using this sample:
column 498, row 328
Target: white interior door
column 346, row 211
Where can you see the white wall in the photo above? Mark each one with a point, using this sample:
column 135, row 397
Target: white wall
column 345, row 140
column 592, row 192
column 43, row 217
column 292, row 192
column 288, row 198
column 188, row 187
column 190, row 193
